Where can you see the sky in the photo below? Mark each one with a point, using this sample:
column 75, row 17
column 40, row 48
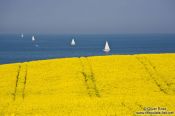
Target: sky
column 87, row 16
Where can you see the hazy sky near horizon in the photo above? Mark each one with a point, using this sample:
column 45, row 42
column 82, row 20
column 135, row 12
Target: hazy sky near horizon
column 87, row 16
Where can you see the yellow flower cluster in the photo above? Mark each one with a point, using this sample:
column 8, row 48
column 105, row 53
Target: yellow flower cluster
column 117, row 85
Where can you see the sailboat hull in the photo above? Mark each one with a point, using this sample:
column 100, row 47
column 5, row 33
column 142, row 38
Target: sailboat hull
column 106, row 50
column 72, row 44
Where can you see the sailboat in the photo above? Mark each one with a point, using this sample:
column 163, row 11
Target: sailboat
column 107, row 48
column 73, row 42
column 33, row 38
column 22, row 35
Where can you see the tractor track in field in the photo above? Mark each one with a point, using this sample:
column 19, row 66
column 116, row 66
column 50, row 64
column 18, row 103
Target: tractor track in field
column 153, row 73
column 25, row 80
column 89, row 77
column 17, row 77
column 21, row 80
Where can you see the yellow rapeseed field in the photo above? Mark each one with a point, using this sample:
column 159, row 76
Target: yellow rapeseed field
column 116, row 85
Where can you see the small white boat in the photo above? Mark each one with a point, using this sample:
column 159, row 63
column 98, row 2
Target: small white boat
column 72, row 42
column 33, row 38
column 22, row 35
column 107, row 48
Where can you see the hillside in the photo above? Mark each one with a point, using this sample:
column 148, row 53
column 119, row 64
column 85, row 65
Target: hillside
column 120, row 85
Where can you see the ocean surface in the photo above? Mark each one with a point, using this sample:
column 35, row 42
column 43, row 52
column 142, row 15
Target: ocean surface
column 13, row 48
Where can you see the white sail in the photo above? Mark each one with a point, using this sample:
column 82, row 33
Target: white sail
column 22, row 35
column 33, row 38
column 73, row 42
column 107, row 48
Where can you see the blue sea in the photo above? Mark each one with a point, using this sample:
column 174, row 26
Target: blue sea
column 13, row 48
